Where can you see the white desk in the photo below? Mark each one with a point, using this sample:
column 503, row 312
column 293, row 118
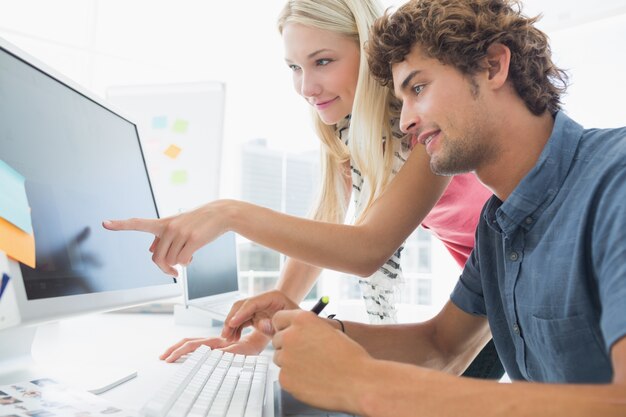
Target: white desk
column 132, row 341
column 128, row 340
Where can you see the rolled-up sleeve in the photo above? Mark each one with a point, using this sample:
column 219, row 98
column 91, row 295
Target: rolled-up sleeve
column 468, row 294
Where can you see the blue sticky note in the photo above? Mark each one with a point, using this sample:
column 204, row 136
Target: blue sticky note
column 3, row 285
column 14, row 206
column 159, row 122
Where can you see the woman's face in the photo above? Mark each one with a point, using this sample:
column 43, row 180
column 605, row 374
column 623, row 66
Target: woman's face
column 325, row 69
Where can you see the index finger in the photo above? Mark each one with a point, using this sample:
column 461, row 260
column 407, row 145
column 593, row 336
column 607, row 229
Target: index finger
column 141, row 225
column 249, row 308
column 228, row 330
column 172, row 348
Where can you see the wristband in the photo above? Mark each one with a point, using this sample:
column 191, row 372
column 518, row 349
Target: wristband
column 332, row 317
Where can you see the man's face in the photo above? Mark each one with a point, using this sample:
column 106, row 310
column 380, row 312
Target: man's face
column 444, row 111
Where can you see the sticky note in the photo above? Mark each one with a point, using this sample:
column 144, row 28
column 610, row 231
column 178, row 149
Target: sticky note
column 180, row 126
column 179, row 177
column 159, row 122
column 172, row 151
column 17, row 244
column 13, row 200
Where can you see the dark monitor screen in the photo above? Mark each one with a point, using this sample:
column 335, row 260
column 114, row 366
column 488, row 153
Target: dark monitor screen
column 83, row 164
column 213, row 270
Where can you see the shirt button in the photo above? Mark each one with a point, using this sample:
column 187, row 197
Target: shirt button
column 529, row 220
column 513, row 256
column 516, row 329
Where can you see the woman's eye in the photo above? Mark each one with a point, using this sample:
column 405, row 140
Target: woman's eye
column 294, row 67
column 322, row 62
column 418, row 89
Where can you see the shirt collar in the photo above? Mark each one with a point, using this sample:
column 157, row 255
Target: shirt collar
column 539, row 187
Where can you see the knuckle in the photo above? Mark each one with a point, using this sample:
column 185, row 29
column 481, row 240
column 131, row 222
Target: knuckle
column 170, row 228
column 288, row 337
column 194, row 236
column 302, row 317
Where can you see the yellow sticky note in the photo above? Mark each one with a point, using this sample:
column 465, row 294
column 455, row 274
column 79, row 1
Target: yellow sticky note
column 17, row 244
column 173, row 151
column 180, row 126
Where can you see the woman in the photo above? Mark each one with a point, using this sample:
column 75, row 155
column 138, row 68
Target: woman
column 324, row 46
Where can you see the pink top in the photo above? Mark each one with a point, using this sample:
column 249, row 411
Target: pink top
column 455, row 216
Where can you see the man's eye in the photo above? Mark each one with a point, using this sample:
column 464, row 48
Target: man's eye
column 418, row 89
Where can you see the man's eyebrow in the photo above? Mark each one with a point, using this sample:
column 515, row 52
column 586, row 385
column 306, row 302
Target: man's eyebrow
column 408, row 79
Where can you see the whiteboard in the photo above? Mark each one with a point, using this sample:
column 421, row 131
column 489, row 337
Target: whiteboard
column 181, row 133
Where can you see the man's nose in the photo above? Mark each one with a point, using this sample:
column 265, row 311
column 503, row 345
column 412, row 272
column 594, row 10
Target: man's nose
column 409, row 120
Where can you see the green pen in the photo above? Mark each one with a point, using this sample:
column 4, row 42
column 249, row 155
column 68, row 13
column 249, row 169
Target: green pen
column 320, row 305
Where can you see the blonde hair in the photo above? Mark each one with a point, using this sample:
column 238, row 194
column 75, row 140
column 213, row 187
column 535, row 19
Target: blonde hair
column 370, row 116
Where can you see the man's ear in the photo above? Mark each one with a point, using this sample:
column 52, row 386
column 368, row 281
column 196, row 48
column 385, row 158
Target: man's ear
column 497, row 64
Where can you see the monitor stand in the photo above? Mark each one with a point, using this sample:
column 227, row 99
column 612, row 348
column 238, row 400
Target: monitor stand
column 18, row 365
column 191, row 316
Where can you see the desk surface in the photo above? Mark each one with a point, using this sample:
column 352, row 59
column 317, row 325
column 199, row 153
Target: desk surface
column 123, row 341
column 132, row 341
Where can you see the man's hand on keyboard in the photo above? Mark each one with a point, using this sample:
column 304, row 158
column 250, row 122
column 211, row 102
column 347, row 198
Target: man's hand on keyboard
column 251, row 344
column 319, row 364
column 255, row 311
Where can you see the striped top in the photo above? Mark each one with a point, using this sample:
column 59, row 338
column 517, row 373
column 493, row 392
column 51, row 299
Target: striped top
column 453, row 220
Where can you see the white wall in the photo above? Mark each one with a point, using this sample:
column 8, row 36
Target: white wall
column 118, row 42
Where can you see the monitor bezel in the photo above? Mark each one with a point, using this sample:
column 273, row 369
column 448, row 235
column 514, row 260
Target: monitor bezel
column 51, row 309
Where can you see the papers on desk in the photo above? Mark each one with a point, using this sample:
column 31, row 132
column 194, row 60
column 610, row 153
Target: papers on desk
column 48, row 398
column 16, row 230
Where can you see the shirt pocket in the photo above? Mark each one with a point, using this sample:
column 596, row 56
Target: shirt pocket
column 566, row 350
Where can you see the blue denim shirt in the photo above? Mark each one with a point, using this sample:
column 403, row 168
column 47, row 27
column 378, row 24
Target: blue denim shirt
column 549, row 266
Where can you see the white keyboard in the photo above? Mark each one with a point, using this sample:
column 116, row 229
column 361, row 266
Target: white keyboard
column 212, row 383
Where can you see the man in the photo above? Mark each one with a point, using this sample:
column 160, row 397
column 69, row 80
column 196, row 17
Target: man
column 548, row 274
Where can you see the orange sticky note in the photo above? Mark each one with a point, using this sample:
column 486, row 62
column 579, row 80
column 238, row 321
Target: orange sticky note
column 17, row 244
column 172, row 151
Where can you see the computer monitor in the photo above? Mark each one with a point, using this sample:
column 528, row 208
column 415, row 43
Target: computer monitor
column 211, row 281
column 83, row 164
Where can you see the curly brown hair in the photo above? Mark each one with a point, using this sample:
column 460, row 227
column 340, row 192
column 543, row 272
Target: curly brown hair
column 459, row 32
